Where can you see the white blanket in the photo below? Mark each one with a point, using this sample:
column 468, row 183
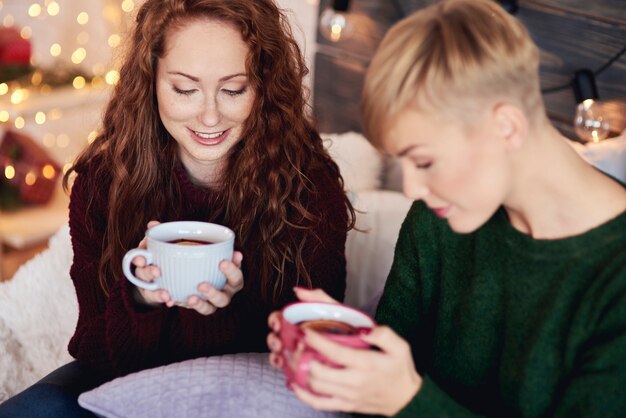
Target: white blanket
column 38, row 313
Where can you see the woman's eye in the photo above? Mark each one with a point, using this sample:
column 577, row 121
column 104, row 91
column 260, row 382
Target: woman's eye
column 423, row 166
column 235, row 92
column 183, row 92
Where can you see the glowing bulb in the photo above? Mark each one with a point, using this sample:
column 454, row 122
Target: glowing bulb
column 9, row 172
column 92, row 136
column 8, row 21
column 18, row 96
column 79, row 55
column 19, row 122
column 79, row 82
column 40, row 118
column 26, row 32
column 4, row 116
column 36, row 78
column 34, row 10
column 48, row 171
column 53, row 8
column 128, row 6
column 590, row 122
column 55, row 50
column 97, row 82
column 82, row 18
column 30, row 178
column 334, row 21
column 4, row 89
column 112, row 77
column 114, row 40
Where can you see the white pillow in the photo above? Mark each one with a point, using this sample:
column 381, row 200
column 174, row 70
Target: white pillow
column 233, row 385
column 369, row 254
column 359, row 162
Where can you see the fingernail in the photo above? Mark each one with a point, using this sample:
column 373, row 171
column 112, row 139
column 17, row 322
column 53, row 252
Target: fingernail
column 366, row 331
column 273, row 345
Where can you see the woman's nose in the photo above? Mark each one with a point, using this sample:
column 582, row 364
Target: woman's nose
column 210, row 115
column 413, row 185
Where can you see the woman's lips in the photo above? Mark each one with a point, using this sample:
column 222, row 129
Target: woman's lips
column 441, row 212
column 212, row 138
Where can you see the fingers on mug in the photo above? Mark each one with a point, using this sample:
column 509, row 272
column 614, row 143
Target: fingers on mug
column 126, row 267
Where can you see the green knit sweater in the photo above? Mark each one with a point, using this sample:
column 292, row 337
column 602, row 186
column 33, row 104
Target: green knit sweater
column 505, row 325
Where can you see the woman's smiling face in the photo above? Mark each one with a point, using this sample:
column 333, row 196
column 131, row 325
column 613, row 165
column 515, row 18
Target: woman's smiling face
column 203, row 93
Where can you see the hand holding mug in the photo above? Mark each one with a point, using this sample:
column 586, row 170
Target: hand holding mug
column 380, row 381
column 198, row 268
column 336, row 322
column 275, row 319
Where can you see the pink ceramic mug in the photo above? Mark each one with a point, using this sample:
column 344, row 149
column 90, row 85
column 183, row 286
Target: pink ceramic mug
column 340, row 323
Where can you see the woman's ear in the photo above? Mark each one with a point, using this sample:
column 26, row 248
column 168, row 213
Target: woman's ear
column 510, row 124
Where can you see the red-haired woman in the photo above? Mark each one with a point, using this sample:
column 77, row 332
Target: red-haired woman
column 208, row 122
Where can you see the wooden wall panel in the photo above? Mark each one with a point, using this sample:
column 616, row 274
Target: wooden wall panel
column 338, row 84
column 571, row 35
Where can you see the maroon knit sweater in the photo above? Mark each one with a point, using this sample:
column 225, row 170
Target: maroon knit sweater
column 115, row 336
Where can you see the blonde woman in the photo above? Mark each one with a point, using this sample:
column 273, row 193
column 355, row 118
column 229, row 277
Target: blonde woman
column 507, row 295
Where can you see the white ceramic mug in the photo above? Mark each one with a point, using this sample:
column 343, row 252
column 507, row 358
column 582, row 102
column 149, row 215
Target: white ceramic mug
column 187, row 253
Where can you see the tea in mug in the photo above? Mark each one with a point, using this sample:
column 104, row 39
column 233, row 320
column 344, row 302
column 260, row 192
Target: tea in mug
column 329, row 326
column 184, row 241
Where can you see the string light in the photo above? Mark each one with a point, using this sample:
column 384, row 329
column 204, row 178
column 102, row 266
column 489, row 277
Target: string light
column 55, row 50
column 48, row 171
column 9, row 172
column 335, row 22
column 92, row 136
column 40, row 118
column 26, row 32
column 590, row 122
column 42, row 79
column 79, row 82
column 82, row 18
column 19, row 122
column 53, row 8
column 34, row 10
column 8, row 21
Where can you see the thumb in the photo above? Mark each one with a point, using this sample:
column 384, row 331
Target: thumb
column 312, row 295
column 386, row 340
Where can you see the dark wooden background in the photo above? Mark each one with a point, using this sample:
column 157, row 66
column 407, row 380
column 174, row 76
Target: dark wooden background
column 571, row 35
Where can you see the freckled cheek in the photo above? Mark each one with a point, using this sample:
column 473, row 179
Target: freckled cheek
column 175, row 111
column 238, row 110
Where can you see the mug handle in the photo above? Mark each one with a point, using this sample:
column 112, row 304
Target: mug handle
column 126, row 262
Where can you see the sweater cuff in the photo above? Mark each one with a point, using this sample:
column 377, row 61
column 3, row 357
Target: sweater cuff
column 138, row 312
column 432, row 401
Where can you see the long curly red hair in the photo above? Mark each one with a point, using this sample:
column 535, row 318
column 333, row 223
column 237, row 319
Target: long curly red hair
column 267, row 182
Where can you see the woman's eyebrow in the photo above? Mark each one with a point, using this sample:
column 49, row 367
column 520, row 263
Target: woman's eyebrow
column 196, row 79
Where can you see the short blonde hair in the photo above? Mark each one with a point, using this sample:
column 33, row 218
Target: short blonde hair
column 452, row 56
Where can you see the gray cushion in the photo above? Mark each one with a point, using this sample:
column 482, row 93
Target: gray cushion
column 236, row 385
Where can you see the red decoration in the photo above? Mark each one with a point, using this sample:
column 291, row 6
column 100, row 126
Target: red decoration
column 14, row 50
column 33, row 175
